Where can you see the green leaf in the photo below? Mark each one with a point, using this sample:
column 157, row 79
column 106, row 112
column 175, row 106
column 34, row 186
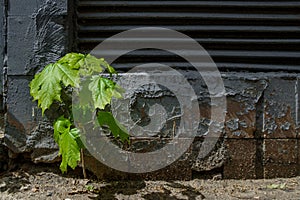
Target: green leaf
column 87, row 64
column 46, row 86
column 61, row 126
column 117, row 129
column 69, row 143
column 76, row 135
column 103, row 90
column 90, row 65
column 69, row 150
column 109, row 68
column 73, row 60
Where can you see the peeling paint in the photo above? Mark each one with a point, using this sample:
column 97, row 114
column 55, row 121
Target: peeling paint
column 233, row 124
column 286, row 126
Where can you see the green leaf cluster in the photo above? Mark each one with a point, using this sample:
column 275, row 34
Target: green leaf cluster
column 47, row 86
column 69, row 143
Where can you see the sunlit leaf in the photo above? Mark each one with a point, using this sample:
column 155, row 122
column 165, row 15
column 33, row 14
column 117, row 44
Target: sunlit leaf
column 103, row 90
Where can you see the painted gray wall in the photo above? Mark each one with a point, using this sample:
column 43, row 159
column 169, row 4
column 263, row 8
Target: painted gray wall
column 36, row 36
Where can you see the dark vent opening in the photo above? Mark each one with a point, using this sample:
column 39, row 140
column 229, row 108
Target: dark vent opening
column 239, row 35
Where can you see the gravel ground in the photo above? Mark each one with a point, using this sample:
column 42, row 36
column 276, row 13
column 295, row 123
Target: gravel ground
column 44, row 182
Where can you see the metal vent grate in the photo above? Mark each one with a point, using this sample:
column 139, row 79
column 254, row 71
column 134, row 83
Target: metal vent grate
column 239, row 35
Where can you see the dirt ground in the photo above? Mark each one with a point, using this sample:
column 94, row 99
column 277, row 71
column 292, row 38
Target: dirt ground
column 44, row 182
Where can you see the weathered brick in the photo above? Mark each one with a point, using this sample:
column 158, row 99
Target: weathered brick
column 241, row 161
column 243, row 97
column 101, row 170
column 208, row 156
column 239, row 125
column 275, row 170
column 279, row 115
column 25, row 129
column 179, row 170
column 280, row 151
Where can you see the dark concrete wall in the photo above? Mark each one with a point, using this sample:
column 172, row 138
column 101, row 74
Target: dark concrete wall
column 2, row 45
column 261, row 130
column 36, row 36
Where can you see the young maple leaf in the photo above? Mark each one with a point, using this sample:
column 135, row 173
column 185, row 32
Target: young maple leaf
column 46, row 85
column 103, row 90
column 69, row 143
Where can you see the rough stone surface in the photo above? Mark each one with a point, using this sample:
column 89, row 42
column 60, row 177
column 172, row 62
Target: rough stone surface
column 280, row 158
column 241, row 162
column 243, row 95
column 35, row 40
column 50, row 35
column 215, row 159
column 280, row 108
column 281, row 151
column 180, row 170
column 24, row 133
column 245, row 153
column 36, row 37
column 272, row 170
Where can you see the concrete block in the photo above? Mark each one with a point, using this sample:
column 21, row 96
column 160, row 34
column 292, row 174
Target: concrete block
column 20, row 107
column 280, row 151
column 279, row 112
column 29, row 8
column 37, row 40
column 208, row 154
column 241, row 161
column 25, row 129
column 178, row 170
column 20, row 44
column 102, row 171
column 274, row 170
column 244, row 95
column 22, row 8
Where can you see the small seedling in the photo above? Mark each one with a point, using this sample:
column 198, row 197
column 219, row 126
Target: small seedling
column 66, row 74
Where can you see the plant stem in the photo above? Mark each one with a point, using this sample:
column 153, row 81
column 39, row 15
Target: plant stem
column 82, row 163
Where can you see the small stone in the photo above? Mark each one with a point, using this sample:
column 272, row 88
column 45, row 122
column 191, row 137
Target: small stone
column 49, row 194
column 24, row 188
column 2, row 185
column 34, row 189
